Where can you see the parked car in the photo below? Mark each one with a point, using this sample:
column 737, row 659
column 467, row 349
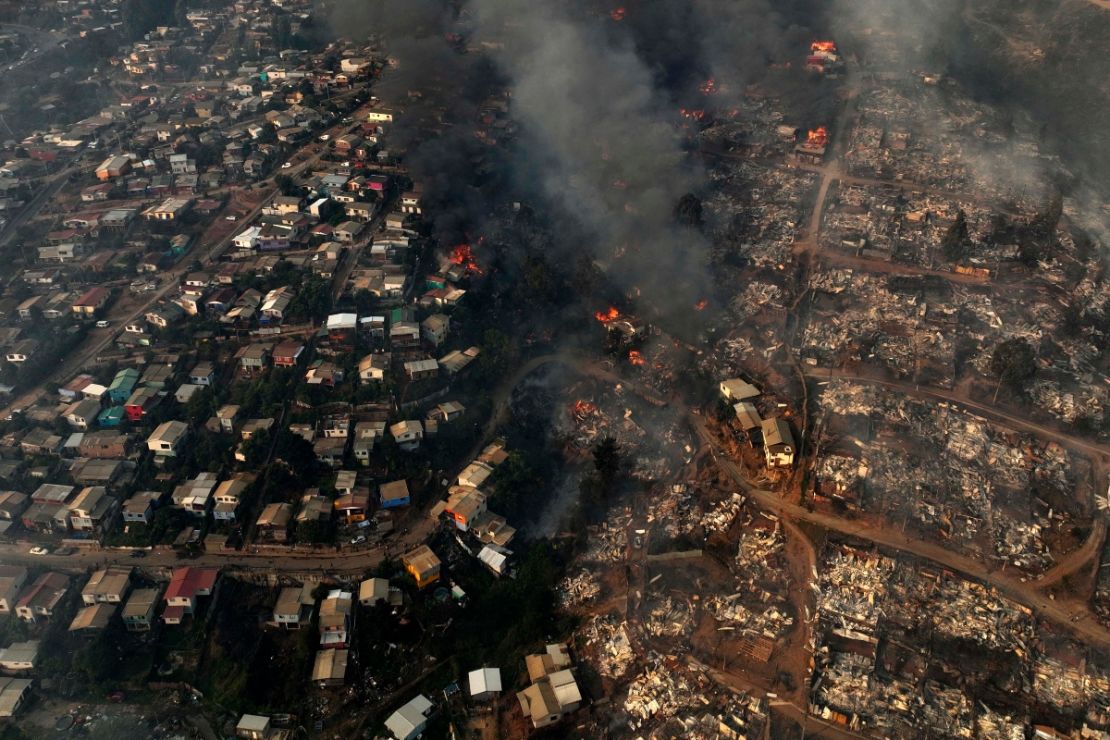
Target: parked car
column 39, row 551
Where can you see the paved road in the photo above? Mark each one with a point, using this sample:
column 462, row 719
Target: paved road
column 1072, row 616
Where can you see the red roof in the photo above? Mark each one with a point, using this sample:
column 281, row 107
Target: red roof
column 92, row 296
column 186, row 582
column 173, row 614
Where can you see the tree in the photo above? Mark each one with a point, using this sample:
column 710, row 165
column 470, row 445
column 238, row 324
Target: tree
column 1014, row 362
column 956, row 243
column 688, row 210
column 286, row 184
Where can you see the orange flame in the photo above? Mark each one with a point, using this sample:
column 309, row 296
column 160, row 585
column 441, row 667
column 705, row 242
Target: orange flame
column 691, row 114
column 617, row 14
column 826, row 46
column 608, row 317
column 818, row 138
column 700, row 305
column 709, row 87
column 463, row 256
column 636, row 358
column 581, row 409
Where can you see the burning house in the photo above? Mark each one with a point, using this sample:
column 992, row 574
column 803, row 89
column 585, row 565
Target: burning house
column 812, row 150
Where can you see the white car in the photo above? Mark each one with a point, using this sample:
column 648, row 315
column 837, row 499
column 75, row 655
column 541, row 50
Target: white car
column 287, row 165
column 325, row 137
column 231, row 218
column 102, row 324
column 39, row 551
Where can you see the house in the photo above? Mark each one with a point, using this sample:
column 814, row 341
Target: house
column 186, row 585
column 495, row 558
column 96, row 472
column 778, row 443
column 93, row 618
column 253, row 727
column 446, row 412
column 294, row 606
column 475, row 474
column 228, row 495
column 404, row 334
column 203, row 374
column 465, row 506
column 287, row 354
column 12, row 504
column 252, row 357
column 407, row 434
column 330, row 668
column 91, row 301
column 409, row 721
column 171, row 209
column 373, row 367
column 92, row 509
column 353, row 506
column 82, row 414
column 335, row 619
column 325, row 373
column 139, row 508
column 273, row 522
column 348, row 232
column 12, row 578
column 113, row 167
column 359, row 211
column 13, row 694
column 164, row 315
column 484, row 683
column 19, row 657
column 434, row 329
column 123, row 384
column 556, row 657
column 394, row 494
column 748, row 416
column 227, row 416
column 167, row 438
column 275, row 303
column 737, row 389
column 422, row 564
column 410, row 202
column 140, row 402
column 314, row 508
column 107, row 586
column 195, row 495
column 421, row 369
column 373, row 591
column 550, row 699
column 41, row 598
column 138, row 612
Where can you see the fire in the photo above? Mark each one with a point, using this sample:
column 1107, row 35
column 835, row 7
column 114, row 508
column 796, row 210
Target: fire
column 700, row 305
column 636, row 358
column 709, row 87
column 691, row 114
column 617, row 14
column 581, row 409
column 463, row 256
column 825, row 46
column 818, row 138
column 608, row 317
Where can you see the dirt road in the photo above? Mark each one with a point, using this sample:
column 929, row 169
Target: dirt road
column 1073, row 616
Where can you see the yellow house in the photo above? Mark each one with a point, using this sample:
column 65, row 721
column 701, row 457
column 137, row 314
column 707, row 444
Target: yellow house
column 422, row 564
